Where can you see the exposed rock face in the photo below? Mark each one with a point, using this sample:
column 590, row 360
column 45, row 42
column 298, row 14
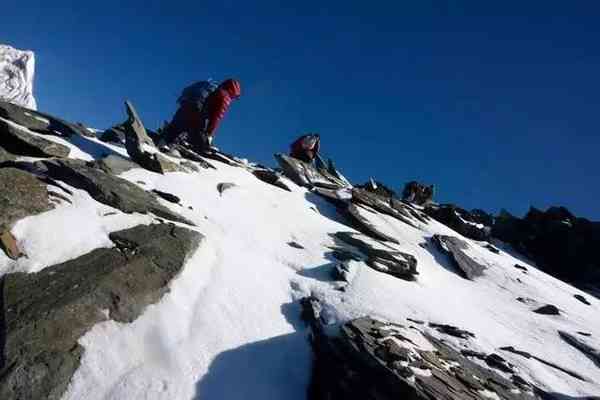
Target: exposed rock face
column 380, row 257
column 115, row 164
column 21, row 195
column 559, row 243
column 454, row 247
column 472, row 225
column 43, row 326
column 107, row 189
column 378, row 188
column 167, row 196
column 371, row 359
column 17, row 70
column 19, row 142
column 116, row 134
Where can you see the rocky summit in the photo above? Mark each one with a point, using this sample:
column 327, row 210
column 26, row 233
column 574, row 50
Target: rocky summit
column 128, row 272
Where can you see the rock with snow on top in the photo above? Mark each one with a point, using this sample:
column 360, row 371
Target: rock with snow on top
column 454, row 247
column 17, row 71
column 18, row 141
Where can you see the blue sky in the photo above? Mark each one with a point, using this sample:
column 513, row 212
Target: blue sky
column 496, row 105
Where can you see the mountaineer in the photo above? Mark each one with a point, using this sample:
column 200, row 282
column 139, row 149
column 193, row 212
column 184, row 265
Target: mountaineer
column 306, row 147
column 202, row 106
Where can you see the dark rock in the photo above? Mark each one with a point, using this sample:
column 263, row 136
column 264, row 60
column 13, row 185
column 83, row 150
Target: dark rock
column 45, row 313
column 192, row 156
column 589, row 351
column 167, row 196
column 21, row 195
column 522, row 268
column 497, row 362
column 463, row 222
column 295, row 245
column 189, row 166
column 582, row 299
column 492, row 248
column 377, row 188
column 381, row 204
column 548, row 309
column 558, row 242
column 41, row 122
column 452, row 330
column 358, row 213
column 19, row 142
column 454, row 247
column 104, row 188
column 371, row 359
column 221, row 187
column 416, row 321
column 140, row 146
column 584, row 334
column 380, row 258
column 115, row 164
column 271, row 177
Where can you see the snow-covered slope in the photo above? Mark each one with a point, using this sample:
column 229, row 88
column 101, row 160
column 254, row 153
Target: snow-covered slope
column 17, row 68
column 230, row 328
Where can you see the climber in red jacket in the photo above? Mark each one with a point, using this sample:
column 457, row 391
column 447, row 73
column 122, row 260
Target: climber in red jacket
column 306, row 147
column 201, row 109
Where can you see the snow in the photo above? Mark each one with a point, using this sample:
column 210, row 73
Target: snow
column 230, row 326
column 16, row 76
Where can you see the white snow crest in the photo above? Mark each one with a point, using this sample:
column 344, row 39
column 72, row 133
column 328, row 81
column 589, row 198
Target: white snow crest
column 17, row 68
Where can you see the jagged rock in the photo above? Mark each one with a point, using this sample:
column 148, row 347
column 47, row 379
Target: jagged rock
column 271, row 177
column 558, row 242
column 45, row 313
column 381, row 204
column 371, row 359
column 377, row 188
column 140, row 146
column 19, row 142
column 21, row 195
column 167, row 196
column 192, row 156
column 115, row 164
column 295, row 245
column 452, row 330
column 582, row 299
column 358, row 213
column 189, row 166
column 8, row 243
column 104, row 188
column 468, row 224
column 499, row 363
column 548, row 309
column 380, row 258
column 590, row 352
column 492, row 248
column 41, row 122
column 17, row 71
column 454, row 247
column 304, row 174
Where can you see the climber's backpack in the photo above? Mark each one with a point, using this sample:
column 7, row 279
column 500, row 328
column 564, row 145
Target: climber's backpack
column 198, row 92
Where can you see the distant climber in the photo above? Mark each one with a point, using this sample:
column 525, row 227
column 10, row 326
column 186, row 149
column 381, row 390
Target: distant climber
column 202, row 106
column 306, row 147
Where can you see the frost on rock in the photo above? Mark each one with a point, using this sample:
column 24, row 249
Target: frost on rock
column 16, row 76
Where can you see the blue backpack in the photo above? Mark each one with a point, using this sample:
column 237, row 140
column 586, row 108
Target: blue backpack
column 198, row 92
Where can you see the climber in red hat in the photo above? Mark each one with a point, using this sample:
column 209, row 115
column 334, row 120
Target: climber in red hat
column 202, row 106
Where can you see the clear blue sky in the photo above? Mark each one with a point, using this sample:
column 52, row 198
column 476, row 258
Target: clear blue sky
column 498, row 105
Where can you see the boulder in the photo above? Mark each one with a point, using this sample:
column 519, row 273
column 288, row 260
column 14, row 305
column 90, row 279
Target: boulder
column 115, row 164
column 547, row 309
column 18, row 141
column 45, row 313
column 368, row 358
column 9, row 244
column 454, row 247
column 171, row 198
column 21, row 195
column 104, row 188
column 116, row 134
column 359, row 216
column 467, row 224
column 380, row 257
